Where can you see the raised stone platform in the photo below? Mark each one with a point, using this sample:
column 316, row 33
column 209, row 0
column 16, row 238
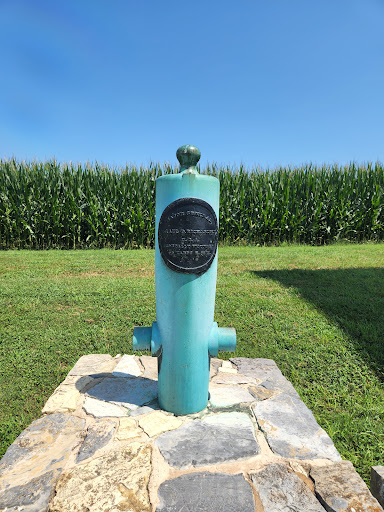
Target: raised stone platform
column 103, row 445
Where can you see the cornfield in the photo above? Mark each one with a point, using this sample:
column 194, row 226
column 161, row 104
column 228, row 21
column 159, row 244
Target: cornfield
column 47, row 205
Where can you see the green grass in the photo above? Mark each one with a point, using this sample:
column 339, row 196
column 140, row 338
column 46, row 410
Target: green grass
column 317, row 311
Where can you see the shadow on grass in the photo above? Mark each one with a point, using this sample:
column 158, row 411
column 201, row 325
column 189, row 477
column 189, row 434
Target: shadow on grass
column 352, row 297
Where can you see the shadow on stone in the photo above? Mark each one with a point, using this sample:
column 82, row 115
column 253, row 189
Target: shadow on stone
column 125, row 391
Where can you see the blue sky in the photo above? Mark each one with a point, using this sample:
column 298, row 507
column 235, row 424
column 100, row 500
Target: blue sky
column 262, row 82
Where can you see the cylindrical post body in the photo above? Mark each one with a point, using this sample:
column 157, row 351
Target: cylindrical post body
column 184, row 334
column 185, row 304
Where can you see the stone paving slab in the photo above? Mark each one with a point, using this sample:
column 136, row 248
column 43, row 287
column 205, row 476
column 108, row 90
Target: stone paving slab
column 266, row 372
column 128, row 429
column 145, row 409
column 213, row 492
column 32, row 464
column 93, row 364
column 115, row 482
column 159, row 422
column 261, row 393
column 292, row 430
column 230, row 378
column 377, row 483
column 127, row 366
column 228, row 396
column 64, row 399
column 101, row 409
column 80, row 382
column 150, row 367
column 225, row 369
column 111, row 449
column 258, row 368
column 210, row 441
column 281, row 490
column 97, row 436
column 339, row 488
column 32, row 496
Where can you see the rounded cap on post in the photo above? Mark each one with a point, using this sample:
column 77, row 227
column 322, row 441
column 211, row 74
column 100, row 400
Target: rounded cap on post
column 188, row 156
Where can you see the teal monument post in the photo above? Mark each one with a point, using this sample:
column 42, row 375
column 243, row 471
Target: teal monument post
column 184, row 335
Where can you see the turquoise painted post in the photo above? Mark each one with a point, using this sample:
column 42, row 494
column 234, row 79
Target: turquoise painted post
column 185, row 335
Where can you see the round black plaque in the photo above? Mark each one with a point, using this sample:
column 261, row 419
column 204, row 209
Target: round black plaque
column 188, row 234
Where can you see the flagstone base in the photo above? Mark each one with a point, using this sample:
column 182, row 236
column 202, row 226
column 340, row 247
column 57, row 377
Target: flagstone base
column 103, row 445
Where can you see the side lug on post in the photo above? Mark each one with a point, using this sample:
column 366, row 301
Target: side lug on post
column 221, row 338
column 147, row 338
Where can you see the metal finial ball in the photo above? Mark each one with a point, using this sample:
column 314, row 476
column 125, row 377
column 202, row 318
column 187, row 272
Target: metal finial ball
column 188, row 156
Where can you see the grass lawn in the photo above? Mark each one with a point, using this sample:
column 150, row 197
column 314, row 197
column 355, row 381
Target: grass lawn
column 317, row 311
